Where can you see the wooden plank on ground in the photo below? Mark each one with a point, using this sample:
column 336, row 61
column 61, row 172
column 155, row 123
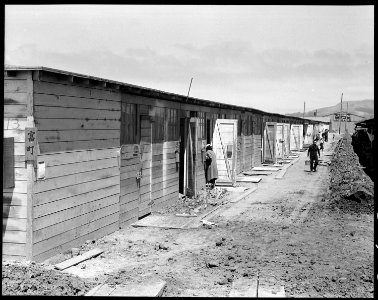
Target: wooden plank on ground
column 146, row 288
column 244, row 287
column 78, row 259
column 271, row 292
column 264, row 168
column 248, row 179
column 252, row 173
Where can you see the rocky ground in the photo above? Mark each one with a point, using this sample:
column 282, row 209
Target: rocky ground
column 24, row 278
column 305, row 232
column 351, row 190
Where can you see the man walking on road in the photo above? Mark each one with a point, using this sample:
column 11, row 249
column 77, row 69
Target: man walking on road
column 313, row 152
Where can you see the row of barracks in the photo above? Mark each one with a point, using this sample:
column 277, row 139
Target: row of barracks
column 85, row 156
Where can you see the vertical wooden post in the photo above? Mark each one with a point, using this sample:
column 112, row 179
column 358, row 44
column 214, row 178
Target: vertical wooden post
column 30, row 166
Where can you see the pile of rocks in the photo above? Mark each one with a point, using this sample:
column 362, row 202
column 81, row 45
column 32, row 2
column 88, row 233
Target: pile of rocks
column 350, row 188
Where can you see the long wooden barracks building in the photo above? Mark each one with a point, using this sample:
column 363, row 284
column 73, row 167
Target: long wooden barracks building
column 85, row 156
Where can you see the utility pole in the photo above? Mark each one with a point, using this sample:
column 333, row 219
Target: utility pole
column 346, row 116
column 304, row 109
column 189, row 88
column 341, row 111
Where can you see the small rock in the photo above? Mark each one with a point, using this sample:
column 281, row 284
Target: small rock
column 337, row 267
column 342, row 280
column 75, row 251
column 83, row 266
column 333, row 278
column 219, row 243
column 163, row 247
column 212, row 264
column 222, row 282
column 139, row 253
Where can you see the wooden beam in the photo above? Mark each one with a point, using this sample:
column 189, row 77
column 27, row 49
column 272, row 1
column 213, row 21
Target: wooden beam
column 78, row 259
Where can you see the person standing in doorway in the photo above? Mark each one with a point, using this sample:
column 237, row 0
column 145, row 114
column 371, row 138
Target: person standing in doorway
column 321, row 142
column 211, row 166
column 313, row 152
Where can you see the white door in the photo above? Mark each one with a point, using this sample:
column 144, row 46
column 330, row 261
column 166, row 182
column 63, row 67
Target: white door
column 225, row 148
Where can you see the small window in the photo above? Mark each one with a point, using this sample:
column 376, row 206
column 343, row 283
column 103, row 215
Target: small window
column 229, row 151
column 158, row 124
column 201, row 125
column 171, row 124
column 128, row 123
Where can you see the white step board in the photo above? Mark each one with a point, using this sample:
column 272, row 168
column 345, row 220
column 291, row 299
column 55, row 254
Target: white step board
column 263, row 168
column 248, row 179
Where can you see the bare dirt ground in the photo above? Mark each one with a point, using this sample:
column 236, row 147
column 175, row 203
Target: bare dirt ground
column 295, row 232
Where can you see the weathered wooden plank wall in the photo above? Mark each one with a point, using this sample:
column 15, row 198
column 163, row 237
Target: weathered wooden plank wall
column 164, row 189
column 16, row 89
column 78, row 134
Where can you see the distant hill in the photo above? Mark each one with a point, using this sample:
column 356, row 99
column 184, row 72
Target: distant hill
column 363, row 108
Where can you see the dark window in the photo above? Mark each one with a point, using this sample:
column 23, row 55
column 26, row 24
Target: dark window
column 128, row 123
column 171, row 124
column 201, row 125
column 158, row 124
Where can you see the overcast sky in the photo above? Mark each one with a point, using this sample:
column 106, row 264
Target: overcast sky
column 271, row 58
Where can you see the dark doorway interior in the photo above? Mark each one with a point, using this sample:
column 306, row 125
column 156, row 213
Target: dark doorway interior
column 208, row 131
column 182, row 152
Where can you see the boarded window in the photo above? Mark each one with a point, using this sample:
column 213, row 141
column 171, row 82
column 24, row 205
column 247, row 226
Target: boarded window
column 249, row 125
column 201, row 125
column 256, row 124
column 8, row 162
column 128, row 124
column 171, row 124
column 158, row 125
column 240, row 124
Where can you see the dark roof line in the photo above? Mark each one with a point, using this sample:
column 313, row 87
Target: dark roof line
column 160, row 93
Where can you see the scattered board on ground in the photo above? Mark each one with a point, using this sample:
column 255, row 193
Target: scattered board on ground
column 271, row 292
column 272, row 165
column 148, row 288
column 265, row 169
column 78, row 259
column 245, row 194
column 236, row 189
column 223, row 183
column 161, row 221
column 251, row 173
column 248, row 179
column 244, row 287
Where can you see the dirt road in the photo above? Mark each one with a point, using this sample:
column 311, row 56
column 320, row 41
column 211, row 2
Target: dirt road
column 285, row 231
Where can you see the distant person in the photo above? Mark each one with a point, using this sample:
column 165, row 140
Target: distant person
column 324, row 136
column 321, row 142
column 313, row 152
column 211, row 166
